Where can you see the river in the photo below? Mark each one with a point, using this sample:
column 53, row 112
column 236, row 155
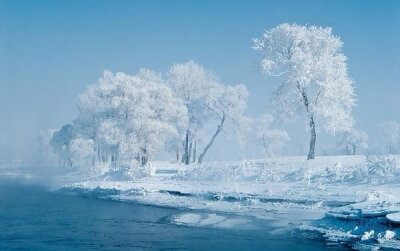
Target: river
column 34, row 218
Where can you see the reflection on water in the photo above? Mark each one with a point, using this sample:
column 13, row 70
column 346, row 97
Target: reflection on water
column 31, row 217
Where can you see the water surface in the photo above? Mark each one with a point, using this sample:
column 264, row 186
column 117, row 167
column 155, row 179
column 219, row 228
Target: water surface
column 32, row 217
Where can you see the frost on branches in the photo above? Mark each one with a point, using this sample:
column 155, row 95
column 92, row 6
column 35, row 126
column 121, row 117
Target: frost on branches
column 314, row 73
column 353, row 140
column 206, row 101
column 122, row 121
column 191, row 83
column 226, row 104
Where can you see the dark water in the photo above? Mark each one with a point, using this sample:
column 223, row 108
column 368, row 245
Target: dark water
column 35, row 219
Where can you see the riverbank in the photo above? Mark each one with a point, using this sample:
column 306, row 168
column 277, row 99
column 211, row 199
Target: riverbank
column 344, row 199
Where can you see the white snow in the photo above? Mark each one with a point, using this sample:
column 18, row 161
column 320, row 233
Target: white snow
column 211, row 220
column 387, row 236
column 367, row 235
column 394, row 217
column 188, row 219
column 352, row 199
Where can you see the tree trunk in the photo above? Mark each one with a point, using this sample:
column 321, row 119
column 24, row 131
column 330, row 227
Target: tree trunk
column 311, row 153
column 194, row 152
column 144, row 158
column 99, row 155
column 186, row 155
column 190, row 150
column 348, row 151
column 144, row 161
column 219, row 128
column 265, row 146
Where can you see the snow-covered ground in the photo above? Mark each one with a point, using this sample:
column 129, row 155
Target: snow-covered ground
column 353, row 200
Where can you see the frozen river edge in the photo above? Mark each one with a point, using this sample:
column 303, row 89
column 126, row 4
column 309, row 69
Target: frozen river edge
column 347, row 200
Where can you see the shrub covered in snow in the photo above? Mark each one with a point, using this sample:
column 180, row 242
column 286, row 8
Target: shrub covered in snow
column 334, row 170
column 375, row 170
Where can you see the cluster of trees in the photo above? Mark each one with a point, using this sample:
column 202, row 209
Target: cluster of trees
column 386, row 140
column 350, row 142
column 125, row 119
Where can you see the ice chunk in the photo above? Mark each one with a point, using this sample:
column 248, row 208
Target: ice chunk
column 394, row 217
column 388, row 235
column 233, row 223
column 212, row 219
column 187, row 219
column 367, row 235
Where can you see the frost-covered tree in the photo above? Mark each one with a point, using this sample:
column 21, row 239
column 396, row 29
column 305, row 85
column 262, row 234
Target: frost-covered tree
column 227, row 104
column 390, row 136
column 81, row 151
column 191, row 83
column 271, row 139
column 353, row 140
column 314, row 73
column 124, row 119
column 174, row 145
column 60, row 142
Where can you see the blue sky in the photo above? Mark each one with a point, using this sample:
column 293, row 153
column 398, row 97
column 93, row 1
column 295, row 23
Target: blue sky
column 50, row 50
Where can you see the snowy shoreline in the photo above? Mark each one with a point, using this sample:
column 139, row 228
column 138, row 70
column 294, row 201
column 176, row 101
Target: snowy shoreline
column 344, row 198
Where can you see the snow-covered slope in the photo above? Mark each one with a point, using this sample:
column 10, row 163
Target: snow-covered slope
column 351, row 199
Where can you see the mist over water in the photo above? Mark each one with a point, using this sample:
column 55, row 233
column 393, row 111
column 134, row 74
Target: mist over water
column 36, row 219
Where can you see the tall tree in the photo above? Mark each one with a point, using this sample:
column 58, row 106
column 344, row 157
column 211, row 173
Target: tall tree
column 60, row 142
column 191, row 83
column 314, row 73
column 227, row 104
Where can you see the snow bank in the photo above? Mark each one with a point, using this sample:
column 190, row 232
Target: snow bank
column 369, row 224
column 346, row 199
column 327, row 170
